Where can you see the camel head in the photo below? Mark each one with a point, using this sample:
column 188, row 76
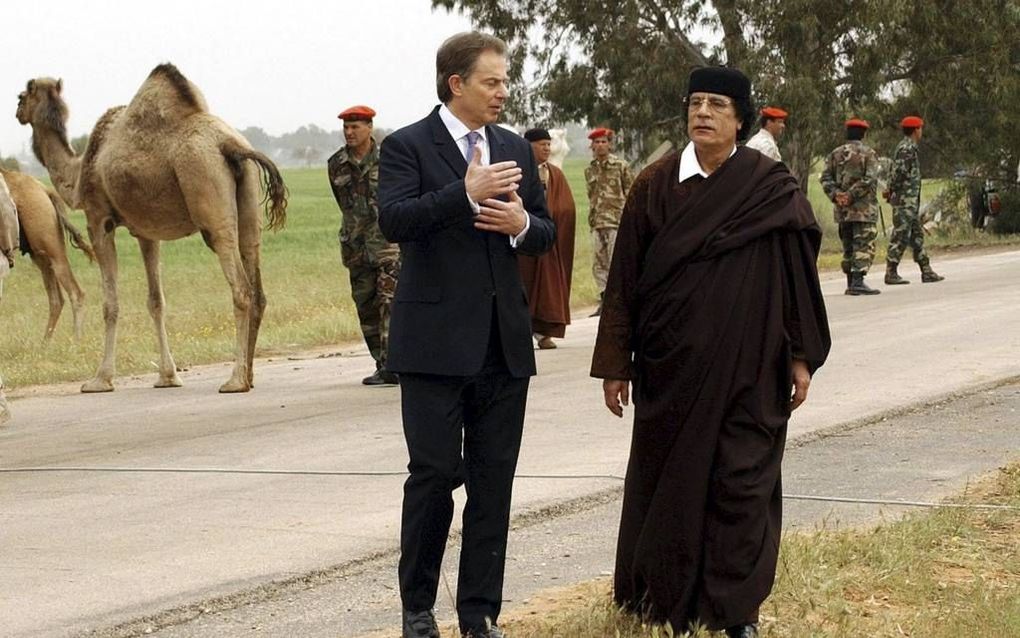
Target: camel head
column 40, row 103
column 41, row 106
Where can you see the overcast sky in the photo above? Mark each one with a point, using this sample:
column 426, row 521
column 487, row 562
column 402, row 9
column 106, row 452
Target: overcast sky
column 277, row 64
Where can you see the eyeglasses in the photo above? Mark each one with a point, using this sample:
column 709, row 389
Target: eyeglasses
column 716, row 104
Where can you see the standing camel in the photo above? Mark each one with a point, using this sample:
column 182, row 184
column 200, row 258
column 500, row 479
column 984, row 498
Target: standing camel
column 8, row 231
column 44, row 221
column 164, row 168
column 8, row 248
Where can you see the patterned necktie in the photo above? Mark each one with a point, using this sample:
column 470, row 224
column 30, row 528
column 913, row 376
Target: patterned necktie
column 472, row 138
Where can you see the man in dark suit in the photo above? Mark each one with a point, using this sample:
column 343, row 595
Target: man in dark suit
column 462, row 197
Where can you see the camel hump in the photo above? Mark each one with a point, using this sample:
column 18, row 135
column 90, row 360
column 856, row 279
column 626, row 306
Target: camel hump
column 167, row 88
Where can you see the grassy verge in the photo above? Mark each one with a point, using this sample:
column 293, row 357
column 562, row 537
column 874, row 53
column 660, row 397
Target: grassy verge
column 308, row 291
column 945, row 573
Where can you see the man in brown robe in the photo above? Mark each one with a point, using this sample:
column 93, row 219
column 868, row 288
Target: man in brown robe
column 547, row 278
column 714, row 313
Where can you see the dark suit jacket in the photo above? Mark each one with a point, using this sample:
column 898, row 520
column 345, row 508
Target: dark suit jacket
column 451, row 272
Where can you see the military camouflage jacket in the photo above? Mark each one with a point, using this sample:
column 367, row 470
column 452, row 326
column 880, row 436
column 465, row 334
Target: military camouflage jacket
column 852, row 169
column 905, row 182
column 608, row 182
column 356, row 189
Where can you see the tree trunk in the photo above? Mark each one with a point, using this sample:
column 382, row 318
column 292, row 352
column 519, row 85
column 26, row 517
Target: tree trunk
column 733, row 32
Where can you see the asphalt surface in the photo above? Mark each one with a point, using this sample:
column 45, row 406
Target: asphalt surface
column 111, row 550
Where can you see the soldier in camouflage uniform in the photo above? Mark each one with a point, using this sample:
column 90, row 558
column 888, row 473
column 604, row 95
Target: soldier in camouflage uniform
column 904, row 193
column 608, row 178
column 850, row 180
column 372, row 261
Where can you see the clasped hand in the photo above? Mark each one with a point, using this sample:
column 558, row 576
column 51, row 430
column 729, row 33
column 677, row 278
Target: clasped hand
column 484, row 183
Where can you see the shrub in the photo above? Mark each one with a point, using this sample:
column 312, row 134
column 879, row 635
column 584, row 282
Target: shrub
column 1007, row 222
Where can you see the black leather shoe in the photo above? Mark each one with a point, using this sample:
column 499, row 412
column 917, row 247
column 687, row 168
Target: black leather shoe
column 742, row 631
column 491, row 632
column 381, row 377
column 420, row 624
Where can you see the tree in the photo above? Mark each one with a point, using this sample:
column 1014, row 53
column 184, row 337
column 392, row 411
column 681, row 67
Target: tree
column 624, row 63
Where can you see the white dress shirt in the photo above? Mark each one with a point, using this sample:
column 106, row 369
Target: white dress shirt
column 689, row 164
column 459, row 132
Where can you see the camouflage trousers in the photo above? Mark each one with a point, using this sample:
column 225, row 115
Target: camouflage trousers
column 858, row 246
column 907, row 231
column 603, row 240
column 373, row 283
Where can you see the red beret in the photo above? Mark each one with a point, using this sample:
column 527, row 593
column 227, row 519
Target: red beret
column 855, row 123
column 774, row 113
column 600, row 132
column 912, row 121
column 355, row 113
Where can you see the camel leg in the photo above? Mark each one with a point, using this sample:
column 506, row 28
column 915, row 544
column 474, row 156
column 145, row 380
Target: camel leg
column 249, row 231
column 101, row 234
column 56, row 299
column 233, row 269
column 157, row 304
column 250, row 261
column 64, row 276
column 258, row 309
column 212, row 200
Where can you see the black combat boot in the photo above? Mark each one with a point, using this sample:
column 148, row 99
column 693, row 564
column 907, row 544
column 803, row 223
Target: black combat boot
column 598, row 309
column 381, row 376
column 929, row 276
column 892, row 278
column 858, row 287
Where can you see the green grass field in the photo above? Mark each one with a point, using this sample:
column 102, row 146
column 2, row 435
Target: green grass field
column 307, row 288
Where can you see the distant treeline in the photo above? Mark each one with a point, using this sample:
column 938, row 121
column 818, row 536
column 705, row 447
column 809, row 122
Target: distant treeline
column 312, row 145
column 309, row 145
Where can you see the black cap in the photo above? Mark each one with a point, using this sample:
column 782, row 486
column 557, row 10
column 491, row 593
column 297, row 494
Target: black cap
column 537, row 134
column 721, row 80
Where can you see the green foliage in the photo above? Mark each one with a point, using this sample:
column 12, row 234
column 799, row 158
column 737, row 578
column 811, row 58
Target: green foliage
column 624, row 64
column 10, row 164
column 1007, row 222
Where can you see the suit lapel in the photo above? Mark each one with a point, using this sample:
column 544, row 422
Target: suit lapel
column 445, row 146
column 497, row 149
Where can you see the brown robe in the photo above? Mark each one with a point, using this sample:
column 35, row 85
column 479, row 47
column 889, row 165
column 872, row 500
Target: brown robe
column 547, row 278
column 712, row 292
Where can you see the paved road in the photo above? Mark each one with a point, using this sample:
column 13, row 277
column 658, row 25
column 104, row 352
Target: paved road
column 84, row 550
column 926, row 454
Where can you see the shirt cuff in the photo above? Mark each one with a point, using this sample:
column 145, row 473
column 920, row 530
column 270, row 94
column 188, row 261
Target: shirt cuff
column 475, row 207
column 519, row 238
